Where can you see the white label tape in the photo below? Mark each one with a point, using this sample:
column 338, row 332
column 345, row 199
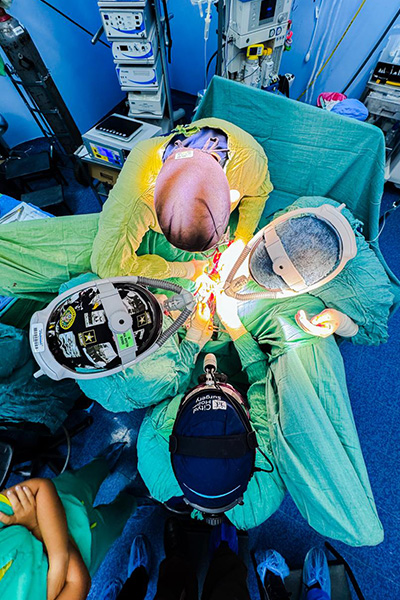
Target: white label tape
column 38, row 337
column 184, row 154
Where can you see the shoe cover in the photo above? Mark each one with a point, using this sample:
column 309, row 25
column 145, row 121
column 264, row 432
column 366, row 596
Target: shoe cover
column 225, row 532
column 140, row 554
column 271, row 560
column 316, row 570
column 112, row 590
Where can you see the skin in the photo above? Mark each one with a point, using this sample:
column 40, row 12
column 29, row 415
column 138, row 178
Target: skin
column 37, row 507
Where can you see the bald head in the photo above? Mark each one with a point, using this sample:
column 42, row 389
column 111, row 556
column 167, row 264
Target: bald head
column 192, row 200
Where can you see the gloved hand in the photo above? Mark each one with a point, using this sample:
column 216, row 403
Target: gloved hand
column 188, row 270
column 229, row 258
column 227, row 311
column 326, row 323
column 201, row 326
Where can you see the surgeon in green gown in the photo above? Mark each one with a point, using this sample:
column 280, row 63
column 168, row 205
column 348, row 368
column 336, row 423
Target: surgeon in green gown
column 310, row 427
column 161, row 375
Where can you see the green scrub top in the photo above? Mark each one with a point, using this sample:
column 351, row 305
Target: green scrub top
column 23, row 563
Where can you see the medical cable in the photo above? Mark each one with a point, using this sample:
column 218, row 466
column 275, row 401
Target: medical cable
column 314, row 33
column 325, row 45
column 256, row 469
column 356, row 74
column 68, row 440
column 167, row 29
column 382, row 221
column 272, row 469
column 229, row 62
column 210, row 60
column 334, row 50
column 213, row 56
column 322, row 49
column 72, row 21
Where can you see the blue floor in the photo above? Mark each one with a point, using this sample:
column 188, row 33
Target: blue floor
column 374, row 386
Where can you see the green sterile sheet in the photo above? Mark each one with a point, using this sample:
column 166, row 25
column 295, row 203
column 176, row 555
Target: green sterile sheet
column 311, row 152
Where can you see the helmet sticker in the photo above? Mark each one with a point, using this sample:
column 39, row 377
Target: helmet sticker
column 100, row 355
column 68, row 345
column 125, row 340
column 38, row 337
column 87, row 337
column 67, row 318
column 184, row 154
column 143, row 319
column 219, row 405
column 97, row 317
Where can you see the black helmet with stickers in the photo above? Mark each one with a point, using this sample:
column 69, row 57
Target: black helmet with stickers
column 101, row 327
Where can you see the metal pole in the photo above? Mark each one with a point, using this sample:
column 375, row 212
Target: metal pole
column 221, row 24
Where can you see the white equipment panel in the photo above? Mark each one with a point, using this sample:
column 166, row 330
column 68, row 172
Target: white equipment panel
column 108, row 149
column 150, row 105
column 126, row 22
column 140, row 52
column 258, row 20
column 140, row 78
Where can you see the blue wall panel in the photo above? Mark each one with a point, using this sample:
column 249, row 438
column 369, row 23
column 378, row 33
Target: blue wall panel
column 188, row 70
column 86, row 77
column 84, row 73
column 335, row 15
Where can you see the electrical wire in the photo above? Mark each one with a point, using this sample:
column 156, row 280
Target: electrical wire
column 72, row 21
column 272, row 469
column 167, row 29
column 229, row 62
column 334, row 50
column 68, row 440
column 356, row 74
column 213, row 56
column 210, row 60
column 382, row 221
column 322, row 48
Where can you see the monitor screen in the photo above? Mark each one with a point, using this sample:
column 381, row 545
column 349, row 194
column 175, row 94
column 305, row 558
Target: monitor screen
column 117, row 126
column 267, row 10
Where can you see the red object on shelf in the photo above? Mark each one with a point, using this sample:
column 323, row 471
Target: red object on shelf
column 4, row 16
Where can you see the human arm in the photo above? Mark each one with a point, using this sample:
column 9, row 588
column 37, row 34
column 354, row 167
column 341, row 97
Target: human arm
column 253, row 201
column 326, row 323
column 362, row 290
column 252, row 358
column 201, row 326
column 50, row 528
column 77, row 581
